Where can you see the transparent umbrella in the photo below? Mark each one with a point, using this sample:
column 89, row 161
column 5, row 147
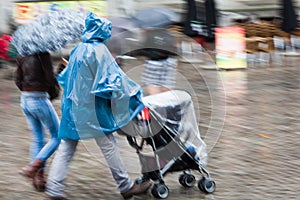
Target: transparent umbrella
column 160, row 17
column 49, row 32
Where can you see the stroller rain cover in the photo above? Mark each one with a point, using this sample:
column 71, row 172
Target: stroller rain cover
column 173, row 110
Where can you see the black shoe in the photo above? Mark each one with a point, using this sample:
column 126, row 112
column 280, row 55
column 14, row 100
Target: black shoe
column 136, row 189
column 56, row 198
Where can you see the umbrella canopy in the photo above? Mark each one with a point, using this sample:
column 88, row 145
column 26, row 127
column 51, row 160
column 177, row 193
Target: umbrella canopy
column 289, row 17
column 121, row 24
column 50, row 32
column 123, row 29
column 160, row 17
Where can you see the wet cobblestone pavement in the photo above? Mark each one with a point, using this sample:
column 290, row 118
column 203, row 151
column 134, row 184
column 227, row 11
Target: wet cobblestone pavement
column 256, row 156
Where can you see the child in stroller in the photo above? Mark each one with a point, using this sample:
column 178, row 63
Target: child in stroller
column 168, row 124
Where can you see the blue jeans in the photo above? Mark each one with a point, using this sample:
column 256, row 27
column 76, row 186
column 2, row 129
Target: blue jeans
column 40, row 113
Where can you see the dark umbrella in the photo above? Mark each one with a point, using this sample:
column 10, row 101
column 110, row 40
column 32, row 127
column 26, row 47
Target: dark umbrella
column 123, row 29
column 289, row 17
column 50, row 32
column 123, row 37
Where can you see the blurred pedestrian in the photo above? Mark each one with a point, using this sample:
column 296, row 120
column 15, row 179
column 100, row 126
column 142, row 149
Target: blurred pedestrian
column 35, row 78
column 159, row 74
column 7, row 50
column 98, row 99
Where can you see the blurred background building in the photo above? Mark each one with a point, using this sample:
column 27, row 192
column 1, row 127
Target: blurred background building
column 5, row 15
column 227, row 10
column 195, row 17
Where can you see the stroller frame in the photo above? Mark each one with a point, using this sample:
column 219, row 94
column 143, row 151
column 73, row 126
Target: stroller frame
column 184, row 162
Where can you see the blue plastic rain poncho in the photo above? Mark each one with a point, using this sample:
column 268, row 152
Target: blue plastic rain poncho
column 98, row 97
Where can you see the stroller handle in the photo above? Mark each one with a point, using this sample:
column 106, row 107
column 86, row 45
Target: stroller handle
column 145, row 114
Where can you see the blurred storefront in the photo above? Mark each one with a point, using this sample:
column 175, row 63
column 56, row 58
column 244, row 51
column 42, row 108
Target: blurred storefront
column 228, row 11
column 25, row 11
column 5, row 15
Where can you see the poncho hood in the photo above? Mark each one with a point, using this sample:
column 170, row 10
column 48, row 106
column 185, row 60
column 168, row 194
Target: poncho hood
column 96, row 28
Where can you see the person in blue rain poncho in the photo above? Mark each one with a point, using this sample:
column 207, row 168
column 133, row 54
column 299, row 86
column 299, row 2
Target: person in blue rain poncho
column 98, row 99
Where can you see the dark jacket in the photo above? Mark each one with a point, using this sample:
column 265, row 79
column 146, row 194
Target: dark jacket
column 35, row 73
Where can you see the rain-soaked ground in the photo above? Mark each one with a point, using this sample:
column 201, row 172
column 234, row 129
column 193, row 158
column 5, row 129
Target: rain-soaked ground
column 256, row 154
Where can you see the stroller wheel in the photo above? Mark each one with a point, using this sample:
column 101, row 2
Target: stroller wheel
column 207, row 185
column 187, row 180
column 160, row 191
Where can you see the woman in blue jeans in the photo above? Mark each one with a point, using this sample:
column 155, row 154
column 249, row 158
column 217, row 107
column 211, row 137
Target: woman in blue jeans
column 36, row 80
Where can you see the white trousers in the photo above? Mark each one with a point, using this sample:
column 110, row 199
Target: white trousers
column 66, row 150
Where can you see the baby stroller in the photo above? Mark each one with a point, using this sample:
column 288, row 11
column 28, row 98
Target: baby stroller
column 168, row 127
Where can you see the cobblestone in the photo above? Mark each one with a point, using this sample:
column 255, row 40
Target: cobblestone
column 257, row 155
